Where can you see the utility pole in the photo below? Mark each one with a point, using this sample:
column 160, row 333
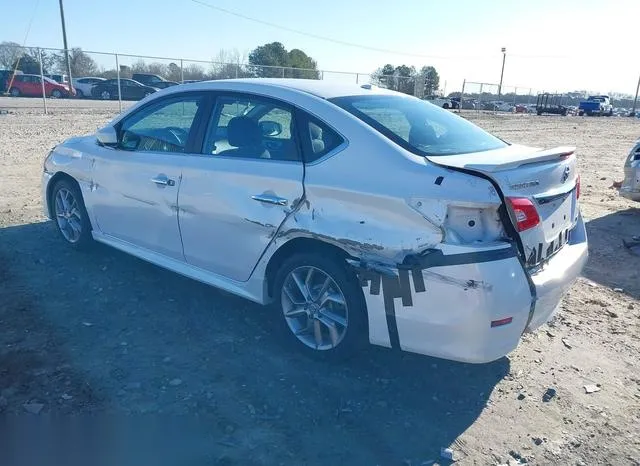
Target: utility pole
column 504, row 57
column 635, row 100
column 64, row 40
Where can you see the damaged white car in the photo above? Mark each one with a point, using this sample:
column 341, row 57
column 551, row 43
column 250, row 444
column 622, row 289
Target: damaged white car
column 630, row 187
column 361, row 214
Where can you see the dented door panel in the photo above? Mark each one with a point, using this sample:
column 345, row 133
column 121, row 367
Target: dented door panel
column 225, row 222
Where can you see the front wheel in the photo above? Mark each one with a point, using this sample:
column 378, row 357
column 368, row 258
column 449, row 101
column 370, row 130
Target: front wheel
column 105, row 95
column 70, row 214
column 56, row 94
column 15, row 92
column 320, row 304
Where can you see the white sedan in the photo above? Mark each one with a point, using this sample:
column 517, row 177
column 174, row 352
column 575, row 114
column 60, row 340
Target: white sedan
column 83, row 85
column 358, row 213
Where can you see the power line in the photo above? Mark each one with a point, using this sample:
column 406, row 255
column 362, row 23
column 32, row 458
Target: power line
column 320, row 37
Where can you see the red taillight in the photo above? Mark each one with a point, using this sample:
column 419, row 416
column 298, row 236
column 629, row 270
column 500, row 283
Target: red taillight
column 578, row 188
column 524, row 212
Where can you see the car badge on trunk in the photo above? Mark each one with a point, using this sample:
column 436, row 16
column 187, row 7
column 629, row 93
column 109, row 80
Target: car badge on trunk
column 565, row 174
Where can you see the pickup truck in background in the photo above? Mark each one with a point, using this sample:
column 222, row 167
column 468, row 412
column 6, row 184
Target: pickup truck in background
column 598, row 105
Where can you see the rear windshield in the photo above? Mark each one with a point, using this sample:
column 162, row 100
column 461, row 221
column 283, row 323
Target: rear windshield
column 419, row 126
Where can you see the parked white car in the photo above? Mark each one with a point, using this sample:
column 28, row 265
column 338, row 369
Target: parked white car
column 631, row 184
column 83, row 85
column 440, row 101
column 360, row 213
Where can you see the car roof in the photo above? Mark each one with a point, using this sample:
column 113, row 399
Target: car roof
column 317, row 87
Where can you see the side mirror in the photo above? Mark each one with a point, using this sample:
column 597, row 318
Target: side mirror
column 107, row 136
column 270, row 128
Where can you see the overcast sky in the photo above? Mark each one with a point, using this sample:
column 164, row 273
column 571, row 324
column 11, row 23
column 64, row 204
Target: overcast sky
column 551, row 44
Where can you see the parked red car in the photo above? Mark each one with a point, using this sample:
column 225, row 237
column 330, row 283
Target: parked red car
column 31, row 85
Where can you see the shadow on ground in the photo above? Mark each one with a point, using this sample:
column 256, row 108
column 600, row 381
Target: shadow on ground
column 150, row 341
column 610, row 263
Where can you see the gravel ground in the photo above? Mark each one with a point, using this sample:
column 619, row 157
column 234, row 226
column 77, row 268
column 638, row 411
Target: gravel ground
column 108, row 334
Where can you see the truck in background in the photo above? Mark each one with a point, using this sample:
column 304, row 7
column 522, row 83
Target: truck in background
column 596, row 105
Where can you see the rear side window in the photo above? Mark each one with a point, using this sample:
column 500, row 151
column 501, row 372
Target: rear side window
column 321, row 139
column 418, row 126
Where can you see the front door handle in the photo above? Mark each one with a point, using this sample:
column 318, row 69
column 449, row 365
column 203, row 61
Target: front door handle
column 162, row 180
column 270, row 199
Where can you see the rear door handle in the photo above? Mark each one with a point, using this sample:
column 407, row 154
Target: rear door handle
column 270, row 199
column 162, row 180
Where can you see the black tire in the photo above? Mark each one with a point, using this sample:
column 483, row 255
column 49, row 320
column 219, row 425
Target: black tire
column 356, row 334
column 56, row 94
column 581, row 113
column 105, row 95
column 84, row 240
column 79, row 94
column 14, row 91
column 446, row 106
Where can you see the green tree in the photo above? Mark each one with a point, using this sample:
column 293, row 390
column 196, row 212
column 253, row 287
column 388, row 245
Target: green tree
column 272, row 54
column 384, row 76
column 308, row 66
column 431, row 80
column 275, row 54
column 27, row 64
column 405, row 79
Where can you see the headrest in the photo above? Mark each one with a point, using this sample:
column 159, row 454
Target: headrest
column 243, row 132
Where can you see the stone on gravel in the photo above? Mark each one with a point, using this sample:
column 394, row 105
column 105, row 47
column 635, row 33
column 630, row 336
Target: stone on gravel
column 590, row 388
column 175, row 382
column 33, row 408
column 549, row 394
column 566, row 343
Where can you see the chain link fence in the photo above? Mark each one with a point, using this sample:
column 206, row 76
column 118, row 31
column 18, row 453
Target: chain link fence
column 109, row 77
column 492, row 97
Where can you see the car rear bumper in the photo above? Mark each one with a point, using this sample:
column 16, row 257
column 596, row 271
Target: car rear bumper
column 555, row 278
column 452, row 311
column 472, row 305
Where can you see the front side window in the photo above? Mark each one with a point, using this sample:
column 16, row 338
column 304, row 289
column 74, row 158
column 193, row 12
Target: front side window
column 161, row 127
column 418, row 126
column 251, row 127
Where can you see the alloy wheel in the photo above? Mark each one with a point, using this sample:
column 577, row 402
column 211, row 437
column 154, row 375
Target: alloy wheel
column 314, row 308
column 68, row 215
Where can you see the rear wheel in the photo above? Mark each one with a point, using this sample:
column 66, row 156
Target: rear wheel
column 320, row 304
column 70, row 214
column 79, row 94
column 105, row 95
column 14, row 91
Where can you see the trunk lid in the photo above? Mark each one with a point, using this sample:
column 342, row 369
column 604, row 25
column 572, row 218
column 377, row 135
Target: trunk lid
column 547, row 178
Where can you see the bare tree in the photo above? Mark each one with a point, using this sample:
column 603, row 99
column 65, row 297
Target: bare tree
column 9, row 53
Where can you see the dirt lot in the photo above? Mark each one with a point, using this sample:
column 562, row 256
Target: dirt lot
column 105, row 333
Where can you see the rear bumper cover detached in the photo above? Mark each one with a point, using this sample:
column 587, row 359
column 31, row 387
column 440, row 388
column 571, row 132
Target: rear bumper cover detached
column 471, row 304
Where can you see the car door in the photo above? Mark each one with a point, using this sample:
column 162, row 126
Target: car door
column 29, row 86
column 248, row 179
column 134, row 194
